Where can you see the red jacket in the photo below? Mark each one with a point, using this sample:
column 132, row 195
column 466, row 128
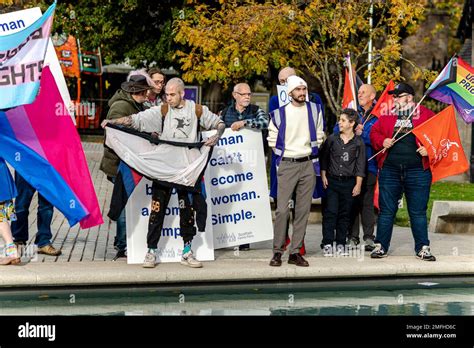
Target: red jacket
column 383, row 129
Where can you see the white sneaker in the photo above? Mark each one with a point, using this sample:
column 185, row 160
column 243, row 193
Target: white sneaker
column 327, row 250
column 189, row 260
column 425, row 254
column 341, row 250
column 150, row 260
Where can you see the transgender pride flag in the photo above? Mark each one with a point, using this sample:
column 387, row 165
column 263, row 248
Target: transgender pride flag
column 40, row 141
column 21, row 61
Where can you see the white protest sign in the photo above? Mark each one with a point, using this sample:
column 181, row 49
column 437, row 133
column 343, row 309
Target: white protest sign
column 170, row 246
column 237, row 190
column 283, row 97
column 13, row 22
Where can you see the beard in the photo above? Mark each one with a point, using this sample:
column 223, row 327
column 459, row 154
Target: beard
column 300, row 98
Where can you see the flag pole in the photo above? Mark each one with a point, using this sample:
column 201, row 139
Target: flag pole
column 409, row 116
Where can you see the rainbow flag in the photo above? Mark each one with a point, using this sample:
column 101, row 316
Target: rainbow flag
column 455, row 85
column 40, row 141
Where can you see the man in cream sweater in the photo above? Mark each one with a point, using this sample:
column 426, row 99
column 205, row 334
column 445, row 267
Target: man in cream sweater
column 295, row 135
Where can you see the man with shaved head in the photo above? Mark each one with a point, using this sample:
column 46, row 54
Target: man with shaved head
column 178, row 121
column 240, row 113
column 285, row 73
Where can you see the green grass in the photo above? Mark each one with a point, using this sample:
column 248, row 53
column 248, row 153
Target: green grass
column 440, row 191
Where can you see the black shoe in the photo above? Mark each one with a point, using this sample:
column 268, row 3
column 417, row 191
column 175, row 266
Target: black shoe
column 244, row 247
column 378, row 252
column 276, row 260
column 298, row 260
column 120, row 253
column 425, row 254
column 20, row 247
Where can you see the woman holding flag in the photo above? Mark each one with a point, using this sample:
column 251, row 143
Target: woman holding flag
column 403, row 168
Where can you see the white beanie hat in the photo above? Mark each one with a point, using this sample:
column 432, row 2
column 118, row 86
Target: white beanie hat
column 295, row 81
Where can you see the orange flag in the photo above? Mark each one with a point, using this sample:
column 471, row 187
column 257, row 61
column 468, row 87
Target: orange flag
column 349, row 94
column 376, row 194
column 440, row 136
column 385, row 102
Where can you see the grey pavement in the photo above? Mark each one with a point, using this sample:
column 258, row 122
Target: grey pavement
column 87, row 256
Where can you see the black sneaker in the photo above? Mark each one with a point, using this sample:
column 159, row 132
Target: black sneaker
column 378, row 252
column 244, row 247
column 120, row 254
column 425, row 254
column 369, row 244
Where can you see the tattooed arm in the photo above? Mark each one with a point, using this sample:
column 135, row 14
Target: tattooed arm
column 123, row 121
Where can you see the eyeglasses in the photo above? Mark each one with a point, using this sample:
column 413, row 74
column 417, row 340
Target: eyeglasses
column 401, row 95
column 244, row 94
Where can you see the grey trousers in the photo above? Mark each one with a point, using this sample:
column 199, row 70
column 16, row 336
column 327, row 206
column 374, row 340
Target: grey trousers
column 291, row 175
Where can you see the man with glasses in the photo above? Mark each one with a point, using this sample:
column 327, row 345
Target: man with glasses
column 403, row 168
column 240, row 113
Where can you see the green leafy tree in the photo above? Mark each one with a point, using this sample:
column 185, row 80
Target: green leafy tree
column 332, row 29
column 234, row 42
column 135, row 29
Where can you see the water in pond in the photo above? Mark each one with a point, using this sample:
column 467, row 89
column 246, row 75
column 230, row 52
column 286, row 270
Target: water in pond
column 390, row 297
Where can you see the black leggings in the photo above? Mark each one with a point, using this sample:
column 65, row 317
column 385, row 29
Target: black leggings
column 160, row 199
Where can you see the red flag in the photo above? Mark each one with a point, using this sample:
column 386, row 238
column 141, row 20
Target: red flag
column 348, row 100
column 385, row 102
column 440, row 136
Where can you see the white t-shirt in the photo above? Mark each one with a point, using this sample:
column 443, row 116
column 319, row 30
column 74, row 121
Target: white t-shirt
column 179, row 125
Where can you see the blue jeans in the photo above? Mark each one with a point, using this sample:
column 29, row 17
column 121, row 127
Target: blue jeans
column 120, row 240
column 416, row 184
column 22, row 206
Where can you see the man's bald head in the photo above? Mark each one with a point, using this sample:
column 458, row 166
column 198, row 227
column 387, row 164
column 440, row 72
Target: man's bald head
column 285, row 73
column 174, row 92
column 177, row 83
column 242, row 88
column 366, row 96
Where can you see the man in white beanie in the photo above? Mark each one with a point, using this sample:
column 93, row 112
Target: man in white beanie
column 295, row 135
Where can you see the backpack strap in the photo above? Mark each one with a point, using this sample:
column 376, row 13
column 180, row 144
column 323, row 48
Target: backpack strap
column 198, row 110
column 164, row 110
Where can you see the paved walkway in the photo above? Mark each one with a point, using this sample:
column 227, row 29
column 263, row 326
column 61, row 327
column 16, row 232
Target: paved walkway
column 87, row 254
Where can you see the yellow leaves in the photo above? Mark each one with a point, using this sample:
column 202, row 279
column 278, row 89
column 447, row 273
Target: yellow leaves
column 236, row 41
column 243, row 38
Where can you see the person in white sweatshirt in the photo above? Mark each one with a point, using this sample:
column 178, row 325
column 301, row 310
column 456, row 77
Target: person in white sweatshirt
column 295, row 135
